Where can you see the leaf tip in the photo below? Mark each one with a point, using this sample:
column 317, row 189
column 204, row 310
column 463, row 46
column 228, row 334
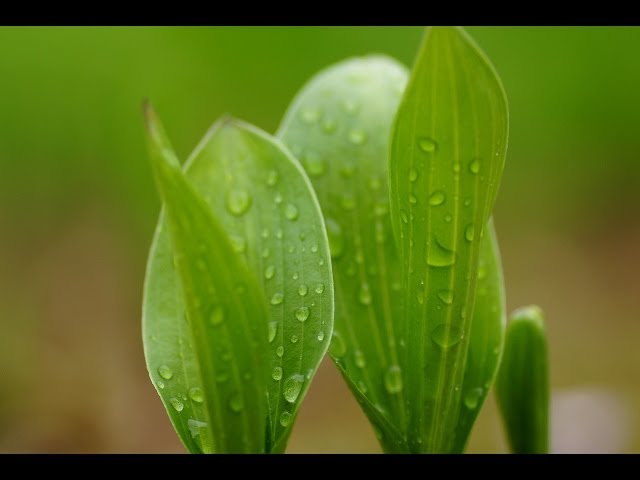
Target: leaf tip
column 531, row 314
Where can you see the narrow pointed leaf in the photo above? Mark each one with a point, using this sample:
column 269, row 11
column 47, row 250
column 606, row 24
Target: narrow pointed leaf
column 522, row 386
column 486, row 338
column 214, row 329
column 268, row 209
column 446, row 159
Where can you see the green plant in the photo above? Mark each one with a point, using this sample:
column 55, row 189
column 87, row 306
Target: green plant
column 406, row 170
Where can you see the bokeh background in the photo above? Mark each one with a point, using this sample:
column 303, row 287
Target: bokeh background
column 78, row 207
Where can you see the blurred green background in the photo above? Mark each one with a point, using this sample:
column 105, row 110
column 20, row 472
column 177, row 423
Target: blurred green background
column 78, row 207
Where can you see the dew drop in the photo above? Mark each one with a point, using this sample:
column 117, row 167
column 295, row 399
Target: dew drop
column 420, row 297
column 380, row 209
column 474, row 166
column 280, row 351
column 285, row 419
column 448, row 218
column 160, row 385
column 427, row 144
column 350, row 107
column 446, row 336
column 165, row 372
column 195, row 426
column 279, row 234
column 310, row 115
column 292, row 387
column 438, row 256
column 468, row 233
column 277, row 374
column 393, row 379
column 272, row 178
column 362, row 387
column 358, row 137
column 328, row 126
column 314, row 165
column 294, row 338
column 265, row 252
column 320, row 336
column 456, row 167
column 336, row 238
column 314, row 249
column 278, row 198
column 277, row 298
column 269, row 272
column 302, row 290
column 413, row 174
column 319, row 288
column 404, row 217
column 238, row 201
column 236, row 403
column 337, row 348
column 446, row 296
column 359, row 359
column 347, row 170
column 217, row 316
column 364, row 295
column 413, row 199
column 195, row 394
column 347, row 201
column 302, row 314
column 436, row 198
column 177, row 404
column 272, row 330
column 291, row 212
column 375, row 183
column 472, row 398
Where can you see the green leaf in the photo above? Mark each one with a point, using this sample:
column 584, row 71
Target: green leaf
column 267, row 207
column 338, row 126
column 522, row 386
column 223, row 333
column 486, row 338
column 446, row 159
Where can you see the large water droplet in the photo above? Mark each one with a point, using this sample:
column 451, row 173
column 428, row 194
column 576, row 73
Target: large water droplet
column 474, row 166
column 277, row 373
column 439, row 256
column 413, row 174
column 472, row 398
column 468, row 233
column 236, row 403
column 177, row 404
column 364, row 295
column 446, row 296
column 302, row 290
column 358, row 356
column 165, row 372
column 314, row 165
column 291, row 212
column 292, row 387
column 436, row 198
column 336, row 238
column 269, row 272
column 195, row 394
column 272, row 178
column 285, row 419
column 337, row 348
column 272, row 330
column 238, row 201
column 427, row 144
column 358, row 137
column 302, row 314
column 446, row 336
column 393, row 379
column 280, row 351
column 277, row 298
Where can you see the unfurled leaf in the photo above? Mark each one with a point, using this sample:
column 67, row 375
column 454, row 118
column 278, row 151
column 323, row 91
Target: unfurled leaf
column 446, row 158
column 486, row 338
column 270, row 216
column 522, row 386
column 339, row 126
column 202, row 343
